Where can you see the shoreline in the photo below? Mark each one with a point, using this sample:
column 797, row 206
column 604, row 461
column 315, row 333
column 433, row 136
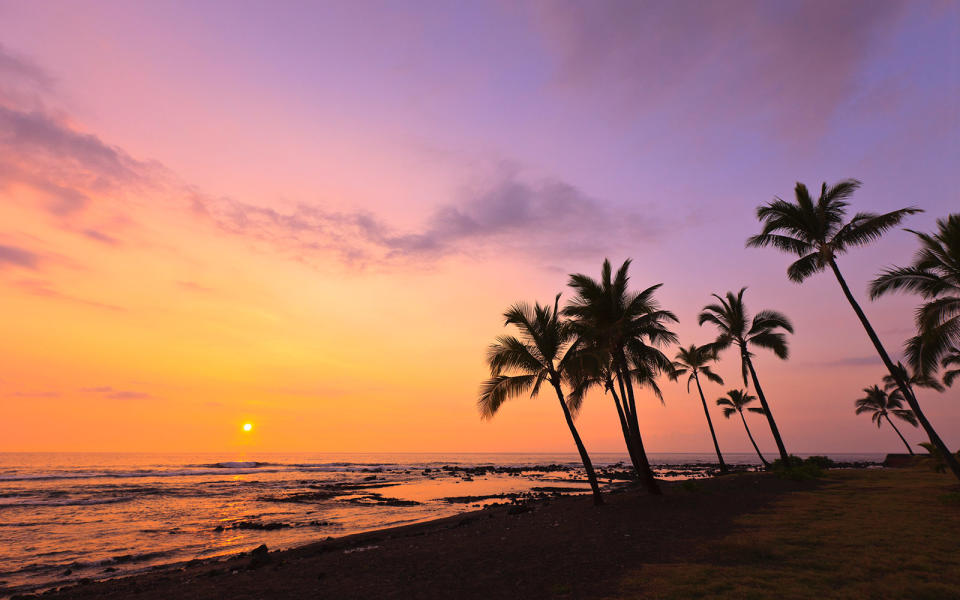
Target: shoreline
column 616, row 479
column 398, row 561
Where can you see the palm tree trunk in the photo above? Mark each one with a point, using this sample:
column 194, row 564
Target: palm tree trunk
column 625, row 428
column 646, row 473
column 749, row 435
column 587, row 465
column 629, row 418
column 716, row 446
column 766, row 411
column 949, row 458
column 909, row 449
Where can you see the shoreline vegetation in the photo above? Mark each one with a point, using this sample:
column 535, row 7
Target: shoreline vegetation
column 840, row 533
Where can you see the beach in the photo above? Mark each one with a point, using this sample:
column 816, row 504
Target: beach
column 635, row 545
column 69, row 517
column 72, row 517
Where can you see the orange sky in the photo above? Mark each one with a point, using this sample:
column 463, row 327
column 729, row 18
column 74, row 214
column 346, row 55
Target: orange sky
column 318, row 235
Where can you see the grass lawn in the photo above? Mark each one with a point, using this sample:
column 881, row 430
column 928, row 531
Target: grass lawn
column 861, row 534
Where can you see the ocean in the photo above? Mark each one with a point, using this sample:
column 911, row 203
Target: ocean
column 65, row 517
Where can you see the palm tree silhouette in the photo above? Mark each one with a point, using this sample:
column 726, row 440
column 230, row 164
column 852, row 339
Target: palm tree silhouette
column 935, row 276
column 816, row 232
column 519, row 365
column 734, row 326
column 625, row 329
column 696, row 360
column 914, row 380
column 880, row 405
column 734, row 402
column 952, row 359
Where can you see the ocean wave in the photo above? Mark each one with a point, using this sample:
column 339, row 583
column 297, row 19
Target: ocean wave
column 76, row 565
column 224, row 468
column 65, row 502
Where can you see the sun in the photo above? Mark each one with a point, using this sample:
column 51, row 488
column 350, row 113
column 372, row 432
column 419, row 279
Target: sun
column 247, row 426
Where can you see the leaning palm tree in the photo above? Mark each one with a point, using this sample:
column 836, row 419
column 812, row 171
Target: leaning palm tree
column 816, row 232
column 627, row 328
column 935, row 276
column 734, row 402
column 695, row 361
column 522, row 364
column 952, row 359
column 734, row 326
column 881, row 405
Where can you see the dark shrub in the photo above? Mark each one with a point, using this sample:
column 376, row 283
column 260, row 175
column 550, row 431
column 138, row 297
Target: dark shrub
column 820, row 461
column 797, row 469
column 793, row 461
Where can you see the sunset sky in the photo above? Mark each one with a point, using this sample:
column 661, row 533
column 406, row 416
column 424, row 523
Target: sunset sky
column 310, row 216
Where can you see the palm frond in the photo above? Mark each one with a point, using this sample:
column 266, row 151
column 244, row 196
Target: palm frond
column 500, row 388
column 800, row 269
column 780, row 242
column 905, row 415
column 908, row 279
column 770, row 319
column 709, row 374
column 868, row 227
column 775, row 342
column 509, row 353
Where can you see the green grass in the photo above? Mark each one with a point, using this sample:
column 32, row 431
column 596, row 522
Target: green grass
column 864, row 534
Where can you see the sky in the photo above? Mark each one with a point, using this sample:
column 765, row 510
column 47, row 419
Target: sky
column 310, row 216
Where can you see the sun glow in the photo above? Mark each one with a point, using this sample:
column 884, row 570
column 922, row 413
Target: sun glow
column 247, row 426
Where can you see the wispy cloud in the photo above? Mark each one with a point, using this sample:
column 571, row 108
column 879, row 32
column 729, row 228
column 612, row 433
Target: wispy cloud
column 504, row 209
column 192, row 286
column 40, row 394
column 508, row 211
column 852, row 361
column 21, row 81
column 18, row 257
column 101, row 237
column 41, row 149
column 43, row 289
column 112, row 393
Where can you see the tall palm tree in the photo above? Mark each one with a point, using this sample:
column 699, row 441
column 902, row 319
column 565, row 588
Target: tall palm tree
column 734, row 402
column 880, row 405
column 591, row 367
column 734, row 326
column 816, row 232
column 952, row 359
column 540, row 354
column 935, row 276
column 695, row 361
column 627, row 329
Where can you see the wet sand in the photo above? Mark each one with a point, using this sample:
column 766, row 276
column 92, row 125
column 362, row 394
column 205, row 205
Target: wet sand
column 551, row 548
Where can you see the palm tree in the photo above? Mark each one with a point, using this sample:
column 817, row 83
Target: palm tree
column 540, row 354
column 914, row 380
column 952, row 359
column 880, row 405
column 734, row 326
column 696, row 360
column 734, row 402
column 626, row 329
column 935, row 276
column 816, row 232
